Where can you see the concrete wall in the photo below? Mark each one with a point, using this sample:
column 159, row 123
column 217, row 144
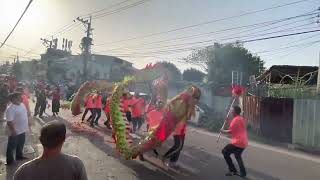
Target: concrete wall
column 306, row 123
column 221, row 104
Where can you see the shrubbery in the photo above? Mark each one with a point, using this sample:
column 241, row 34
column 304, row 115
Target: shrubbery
column 210, row 119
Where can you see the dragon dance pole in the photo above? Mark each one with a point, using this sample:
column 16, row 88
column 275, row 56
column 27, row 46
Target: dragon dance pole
column 225, row 121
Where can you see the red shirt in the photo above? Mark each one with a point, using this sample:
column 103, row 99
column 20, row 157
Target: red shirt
column 238, row 130
column 89, row 101
column 98, row 102
column 107, row 108
column 154, row 118
column 137, row 107
column 180, row 129
column 25, row 101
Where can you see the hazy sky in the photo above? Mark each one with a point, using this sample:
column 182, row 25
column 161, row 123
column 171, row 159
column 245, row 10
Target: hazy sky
column 45, row 17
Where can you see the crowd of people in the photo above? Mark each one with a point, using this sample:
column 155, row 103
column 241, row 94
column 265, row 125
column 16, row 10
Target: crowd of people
column 139, row 110
column 52, row 162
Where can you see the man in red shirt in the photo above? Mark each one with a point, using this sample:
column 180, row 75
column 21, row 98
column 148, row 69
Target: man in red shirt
column 97, row 107
column 137, row 105
column 125, row 102
column 239, row 141
column 89, row 106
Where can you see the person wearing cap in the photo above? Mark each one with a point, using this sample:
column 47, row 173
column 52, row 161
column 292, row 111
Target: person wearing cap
column 52, row 164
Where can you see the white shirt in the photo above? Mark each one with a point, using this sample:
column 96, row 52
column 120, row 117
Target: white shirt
column 18, row 115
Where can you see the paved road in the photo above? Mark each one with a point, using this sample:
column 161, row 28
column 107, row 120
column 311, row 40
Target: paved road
column 201, row 157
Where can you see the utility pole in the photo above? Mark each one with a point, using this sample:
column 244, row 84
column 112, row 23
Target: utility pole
column 85, row 45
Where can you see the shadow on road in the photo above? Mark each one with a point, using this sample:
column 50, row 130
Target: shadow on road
column 201, row 164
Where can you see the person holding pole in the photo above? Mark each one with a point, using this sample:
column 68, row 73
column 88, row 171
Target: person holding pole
column 239, row 141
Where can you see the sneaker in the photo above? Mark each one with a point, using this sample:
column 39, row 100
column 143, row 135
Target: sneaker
column 230, row 174
column 171, row 164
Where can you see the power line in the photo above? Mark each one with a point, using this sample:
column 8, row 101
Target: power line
column 279, row 36
column 287, row 45
column 21, row 49
column 208, row 22
column 120, row 9
column 298, row 50
column 239, row 41
column 111, row 6
column 16, row 24
column 227, row 37
column 73, row 25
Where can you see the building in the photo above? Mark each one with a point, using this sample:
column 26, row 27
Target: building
column 61, row 66
column 285, row 74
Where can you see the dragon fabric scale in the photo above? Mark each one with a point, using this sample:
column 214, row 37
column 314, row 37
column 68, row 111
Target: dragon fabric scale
column 178, row 109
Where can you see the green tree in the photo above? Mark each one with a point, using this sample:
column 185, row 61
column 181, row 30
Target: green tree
column 220, row 60
column 174, row 72
column 193, row 75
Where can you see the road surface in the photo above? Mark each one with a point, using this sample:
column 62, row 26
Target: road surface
column 201, row 157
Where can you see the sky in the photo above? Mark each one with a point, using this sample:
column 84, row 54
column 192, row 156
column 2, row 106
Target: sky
column 126, row 33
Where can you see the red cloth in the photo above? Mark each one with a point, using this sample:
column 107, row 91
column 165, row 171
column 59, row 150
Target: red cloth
column 138, row 105
column 125, row 104
column 154, row 118
column 107, row 108
column 180, row 129
column 98, row 102
column 238, row 130
column 25, row 101
column 150, row 108
column 89, row 101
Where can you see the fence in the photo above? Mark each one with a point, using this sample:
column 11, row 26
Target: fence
column 251, row 109
column 306, row 123
column 270, row 117
column 276, row 119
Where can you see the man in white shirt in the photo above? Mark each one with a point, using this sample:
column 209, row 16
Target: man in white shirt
column 17, row 122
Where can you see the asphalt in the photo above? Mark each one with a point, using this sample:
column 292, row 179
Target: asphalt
column 201, row 157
